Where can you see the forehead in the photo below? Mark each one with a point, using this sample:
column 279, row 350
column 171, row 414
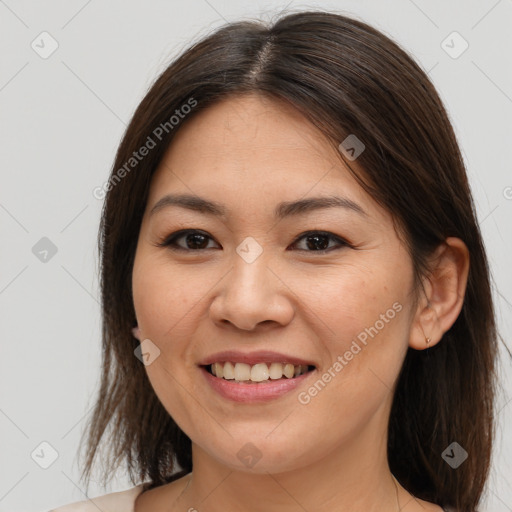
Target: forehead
column 252, row 145
column 248, row 127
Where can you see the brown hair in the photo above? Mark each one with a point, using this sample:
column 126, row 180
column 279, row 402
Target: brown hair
column 346, row 78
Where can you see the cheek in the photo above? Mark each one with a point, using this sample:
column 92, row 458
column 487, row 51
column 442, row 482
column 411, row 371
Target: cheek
column 364, row 341
column 164, row 301
column 168, row 306
column 165, row 297
column 362, row 325
column 344, row 302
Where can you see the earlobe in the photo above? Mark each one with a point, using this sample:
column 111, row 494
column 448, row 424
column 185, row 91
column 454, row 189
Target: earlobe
column 136, row 332
column 445, row 289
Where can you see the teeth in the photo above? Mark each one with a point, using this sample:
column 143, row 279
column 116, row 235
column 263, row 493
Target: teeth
column 228, row 371
column 218, row 369
column 276, row 370
column 288, row 370
column 260, row 372
column 242, row 371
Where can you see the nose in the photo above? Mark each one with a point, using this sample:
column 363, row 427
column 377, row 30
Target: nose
column 252, row 294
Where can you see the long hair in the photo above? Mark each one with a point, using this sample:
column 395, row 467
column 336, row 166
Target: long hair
column 346, row 78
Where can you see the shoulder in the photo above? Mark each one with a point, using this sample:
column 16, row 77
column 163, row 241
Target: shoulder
column 114, row 502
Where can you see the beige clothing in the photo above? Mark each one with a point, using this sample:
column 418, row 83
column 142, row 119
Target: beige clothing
column 115, row 502
column 123, row 501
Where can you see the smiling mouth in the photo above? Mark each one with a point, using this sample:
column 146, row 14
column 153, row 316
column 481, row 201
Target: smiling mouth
column 258, row 373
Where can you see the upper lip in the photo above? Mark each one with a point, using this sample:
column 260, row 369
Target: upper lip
column 260, row 356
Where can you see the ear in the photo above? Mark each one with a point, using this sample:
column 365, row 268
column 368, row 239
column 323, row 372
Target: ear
column 136, row 332
column 445, row 287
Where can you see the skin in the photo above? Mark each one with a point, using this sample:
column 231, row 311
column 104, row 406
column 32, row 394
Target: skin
column 250, row 153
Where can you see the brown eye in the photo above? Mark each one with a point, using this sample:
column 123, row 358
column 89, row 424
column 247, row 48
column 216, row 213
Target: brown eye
column 318, row 241
column 194, row 240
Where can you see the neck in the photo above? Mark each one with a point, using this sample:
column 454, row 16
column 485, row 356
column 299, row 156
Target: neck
column 353, row 477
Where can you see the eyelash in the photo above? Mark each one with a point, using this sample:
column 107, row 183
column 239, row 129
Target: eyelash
column 170, row 241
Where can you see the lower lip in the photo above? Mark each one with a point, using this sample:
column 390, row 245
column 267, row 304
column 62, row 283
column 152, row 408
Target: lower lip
column 260, row 392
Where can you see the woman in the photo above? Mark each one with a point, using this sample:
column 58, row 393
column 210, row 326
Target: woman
column 296, row 299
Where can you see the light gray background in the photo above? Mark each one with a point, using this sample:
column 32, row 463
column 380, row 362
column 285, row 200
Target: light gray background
column 61, row 121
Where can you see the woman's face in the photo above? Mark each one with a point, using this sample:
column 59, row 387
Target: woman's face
column 253, row 280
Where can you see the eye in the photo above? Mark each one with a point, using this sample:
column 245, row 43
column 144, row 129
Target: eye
column 196, row 240
column 319, row 241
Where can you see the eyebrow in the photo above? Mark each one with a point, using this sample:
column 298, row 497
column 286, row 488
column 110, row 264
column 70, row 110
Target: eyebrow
column 284, row 209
